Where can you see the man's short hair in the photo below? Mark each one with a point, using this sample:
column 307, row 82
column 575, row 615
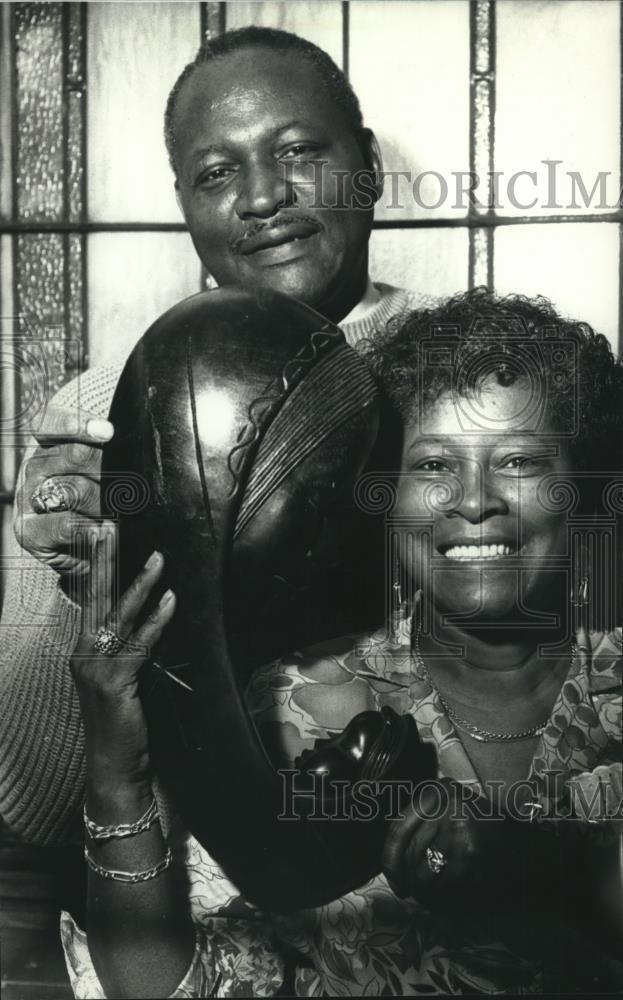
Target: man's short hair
column 334, row 80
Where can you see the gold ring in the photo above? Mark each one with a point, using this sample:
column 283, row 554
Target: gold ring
column 49, row 498
column 107, row 642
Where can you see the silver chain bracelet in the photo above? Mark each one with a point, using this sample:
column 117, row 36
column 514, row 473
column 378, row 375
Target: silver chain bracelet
column 97, row 832
column 114, row 875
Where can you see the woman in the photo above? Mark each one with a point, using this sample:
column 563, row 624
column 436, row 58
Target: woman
column 500, row 405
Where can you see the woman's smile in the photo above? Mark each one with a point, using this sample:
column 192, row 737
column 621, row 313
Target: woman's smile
column 477, row 551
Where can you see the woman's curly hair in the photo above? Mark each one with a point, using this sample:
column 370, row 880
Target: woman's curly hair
column 454, row 346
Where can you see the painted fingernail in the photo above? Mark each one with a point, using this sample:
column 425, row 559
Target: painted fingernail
column 153, row 560
column 166, row 598
column 99, row 429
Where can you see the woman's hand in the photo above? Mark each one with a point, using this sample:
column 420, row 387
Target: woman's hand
column 141, row 936
column 440, row 852
column 114, row 723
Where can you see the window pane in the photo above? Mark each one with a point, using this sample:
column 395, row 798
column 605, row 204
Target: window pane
column 135, row 53
column 575, row 265
column 557, row 98
column 6, row 114
column 321, row 22
column 39, row 98
column 6, row 539
column 409, row 64
column 10, row 371
column 133, row 278
column 431, row 261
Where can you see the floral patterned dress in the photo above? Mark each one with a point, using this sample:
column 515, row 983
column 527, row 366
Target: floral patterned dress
column 369, row 942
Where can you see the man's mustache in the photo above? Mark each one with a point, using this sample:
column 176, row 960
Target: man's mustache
column 281, row 221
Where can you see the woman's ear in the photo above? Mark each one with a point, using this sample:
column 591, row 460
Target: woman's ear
column 373, row 159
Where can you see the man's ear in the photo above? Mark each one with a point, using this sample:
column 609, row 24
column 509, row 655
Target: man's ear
column 373, row 159
column 178, row 198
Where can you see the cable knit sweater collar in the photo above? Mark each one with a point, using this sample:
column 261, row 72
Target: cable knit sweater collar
column 391, row 302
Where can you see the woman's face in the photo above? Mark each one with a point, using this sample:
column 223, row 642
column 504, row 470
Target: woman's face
column 476, row 490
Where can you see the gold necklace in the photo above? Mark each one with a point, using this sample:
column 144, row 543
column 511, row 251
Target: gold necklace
column 476, row 733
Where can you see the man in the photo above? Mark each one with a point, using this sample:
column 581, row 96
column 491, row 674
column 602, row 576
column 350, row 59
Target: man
column 251, row 127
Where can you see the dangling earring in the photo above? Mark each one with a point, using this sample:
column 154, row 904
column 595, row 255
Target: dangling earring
column 580, row 601
column 416, row 617
column 580, row 586
column 398, row 614
column 580, row 593
column 400, row 622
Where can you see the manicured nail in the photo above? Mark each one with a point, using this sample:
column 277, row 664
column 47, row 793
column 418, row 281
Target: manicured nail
column 153, row 560
column 100, row 429
column 166, row 598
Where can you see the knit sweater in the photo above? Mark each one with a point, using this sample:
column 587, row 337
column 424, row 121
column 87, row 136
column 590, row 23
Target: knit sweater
column 42, row 757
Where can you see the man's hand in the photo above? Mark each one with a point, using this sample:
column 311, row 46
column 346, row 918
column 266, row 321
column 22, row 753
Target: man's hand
column 66, row 467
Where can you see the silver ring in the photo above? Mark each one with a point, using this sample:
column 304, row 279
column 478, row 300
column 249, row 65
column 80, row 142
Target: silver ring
column 436, row 860
column 107, row 642
column 49, row 498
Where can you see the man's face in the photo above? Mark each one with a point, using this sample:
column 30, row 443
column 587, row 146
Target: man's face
column 249, row 128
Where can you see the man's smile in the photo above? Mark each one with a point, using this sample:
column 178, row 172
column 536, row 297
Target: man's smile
column 284, row 252
column 278, row 243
